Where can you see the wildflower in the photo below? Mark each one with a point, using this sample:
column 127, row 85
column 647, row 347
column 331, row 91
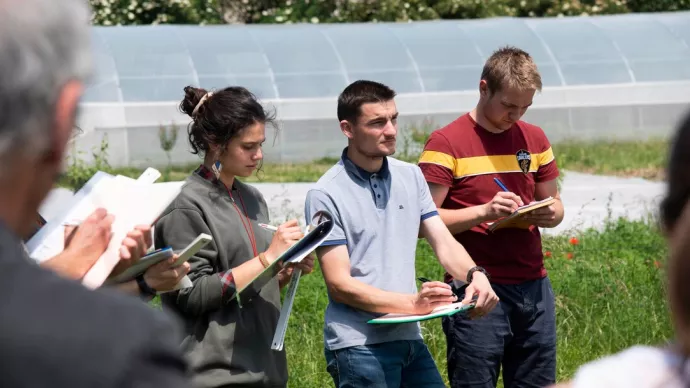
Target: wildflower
column 574, row 241
column 547, row 253
column 569, row 255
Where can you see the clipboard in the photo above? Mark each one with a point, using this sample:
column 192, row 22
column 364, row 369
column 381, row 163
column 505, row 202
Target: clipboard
column 296, row 253
column 443, row 311
column 320, row 218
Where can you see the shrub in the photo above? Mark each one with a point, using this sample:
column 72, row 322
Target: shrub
column 78, row 171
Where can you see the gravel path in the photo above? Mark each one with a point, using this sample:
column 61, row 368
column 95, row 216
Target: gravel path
column 588, row 199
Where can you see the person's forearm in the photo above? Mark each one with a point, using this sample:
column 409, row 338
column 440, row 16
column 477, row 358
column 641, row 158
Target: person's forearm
column 209, row 292
column 244, row 273
column 68, row 264
column 560, row 213
column 454, row 258
column 356, row 294
column 460, row 220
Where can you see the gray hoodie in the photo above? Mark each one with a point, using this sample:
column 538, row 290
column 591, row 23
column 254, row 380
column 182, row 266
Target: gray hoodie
column 226, row 345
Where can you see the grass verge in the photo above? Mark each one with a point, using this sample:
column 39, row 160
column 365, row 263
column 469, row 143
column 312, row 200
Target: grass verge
column 643, row 159
column 609, row 294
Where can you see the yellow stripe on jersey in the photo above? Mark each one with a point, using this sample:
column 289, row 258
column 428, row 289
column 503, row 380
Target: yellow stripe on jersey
column 479, row 165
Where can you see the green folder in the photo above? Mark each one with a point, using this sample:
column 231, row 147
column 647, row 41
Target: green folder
column 444, row 311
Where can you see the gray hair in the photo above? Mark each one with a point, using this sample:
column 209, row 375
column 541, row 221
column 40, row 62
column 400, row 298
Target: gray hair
column 43, row 45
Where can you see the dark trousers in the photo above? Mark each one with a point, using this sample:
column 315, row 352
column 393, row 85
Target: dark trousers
column 519, row 334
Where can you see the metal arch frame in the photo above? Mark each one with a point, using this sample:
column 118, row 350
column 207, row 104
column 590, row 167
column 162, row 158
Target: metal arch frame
column 616, row 46
column 195, row 74
column 411, row 57
column 271, row 74
column 106, row 45
column 548, row 51
column 343, row 69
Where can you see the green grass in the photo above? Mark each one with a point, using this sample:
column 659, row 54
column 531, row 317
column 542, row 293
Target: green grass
column 609, row 296
column 645, row 159
column 634, row 158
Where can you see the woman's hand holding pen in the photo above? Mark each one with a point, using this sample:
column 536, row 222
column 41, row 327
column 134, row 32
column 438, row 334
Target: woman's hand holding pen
column 284, row 237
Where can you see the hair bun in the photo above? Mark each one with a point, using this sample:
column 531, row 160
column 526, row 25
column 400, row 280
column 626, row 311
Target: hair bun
column 192, row 96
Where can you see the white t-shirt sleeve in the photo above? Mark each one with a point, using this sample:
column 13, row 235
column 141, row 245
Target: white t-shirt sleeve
column 638, row 366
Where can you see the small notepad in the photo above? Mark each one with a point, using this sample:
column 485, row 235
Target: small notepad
column 443, row 311
column 516, row 219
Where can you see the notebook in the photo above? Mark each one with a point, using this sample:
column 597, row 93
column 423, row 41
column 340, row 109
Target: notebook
column 442, row 311
column 321, row 219
column 516, row 220
column 132, row 202
column 296, row 253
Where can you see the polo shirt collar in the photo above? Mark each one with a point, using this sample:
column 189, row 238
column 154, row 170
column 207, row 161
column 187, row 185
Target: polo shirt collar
column 361, row 173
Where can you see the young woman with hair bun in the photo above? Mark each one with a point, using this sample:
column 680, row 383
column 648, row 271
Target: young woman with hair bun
column 228, row 343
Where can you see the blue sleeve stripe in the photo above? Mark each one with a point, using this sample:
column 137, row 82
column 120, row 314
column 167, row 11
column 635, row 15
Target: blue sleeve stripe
column 429, row 214
column 329, row 243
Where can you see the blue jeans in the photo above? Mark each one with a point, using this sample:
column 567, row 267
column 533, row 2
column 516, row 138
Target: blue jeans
column 520, row 334
column 385, row 365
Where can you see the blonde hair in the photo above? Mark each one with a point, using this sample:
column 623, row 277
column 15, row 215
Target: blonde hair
column 511, row 67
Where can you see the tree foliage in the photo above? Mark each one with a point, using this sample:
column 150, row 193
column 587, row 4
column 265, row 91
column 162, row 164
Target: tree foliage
column 121, row 12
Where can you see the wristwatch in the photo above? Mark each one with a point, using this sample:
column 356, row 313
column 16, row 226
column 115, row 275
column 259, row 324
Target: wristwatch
column 144, row 288
column 474, row 269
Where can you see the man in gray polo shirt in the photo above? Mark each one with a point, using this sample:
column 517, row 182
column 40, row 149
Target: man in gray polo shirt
column 381, row 206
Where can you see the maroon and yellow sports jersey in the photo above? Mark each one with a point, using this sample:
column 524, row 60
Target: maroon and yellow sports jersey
column 465, row 157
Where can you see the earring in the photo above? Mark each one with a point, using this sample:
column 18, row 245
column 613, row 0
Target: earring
column 216, row 169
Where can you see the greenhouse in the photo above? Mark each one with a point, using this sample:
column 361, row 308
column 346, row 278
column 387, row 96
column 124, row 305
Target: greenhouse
column 623, row 76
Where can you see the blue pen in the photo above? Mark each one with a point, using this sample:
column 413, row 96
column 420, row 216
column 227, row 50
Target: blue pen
column 500, row 184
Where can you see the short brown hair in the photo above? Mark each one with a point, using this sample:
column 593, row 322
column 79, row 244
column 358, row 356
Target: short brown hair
column 359, row 93
column 513, row 68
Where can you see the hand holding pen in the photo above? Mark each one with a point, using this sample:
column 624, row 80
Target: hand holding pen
column 503, row 204
column 306, row 266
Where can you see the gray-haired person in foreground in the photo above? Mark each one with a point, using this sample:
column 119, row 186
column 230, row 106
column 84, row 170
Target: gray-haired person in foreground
column 53, row 331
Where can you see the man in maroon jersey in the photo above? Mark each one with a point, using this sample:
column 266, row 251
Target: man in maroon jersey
column 460, row 163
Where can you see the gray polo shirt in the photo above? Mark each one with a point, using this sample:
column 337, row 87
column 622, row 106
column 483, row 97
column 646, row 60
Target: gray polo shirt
column 378, row 216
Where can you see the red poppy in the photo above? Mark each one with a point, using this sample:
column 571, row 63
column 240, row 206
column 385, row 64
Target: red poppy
column 570, row 255
column 574, row 241
column 547, row 253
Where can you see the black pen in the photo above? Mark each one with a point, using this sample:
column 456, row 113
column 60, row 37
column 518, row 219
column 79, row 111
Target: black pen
column 423, row 280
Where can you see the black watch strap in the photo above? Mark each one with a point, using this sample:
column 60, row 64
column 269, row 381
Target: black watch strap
column 474, row 269
column 144, row 288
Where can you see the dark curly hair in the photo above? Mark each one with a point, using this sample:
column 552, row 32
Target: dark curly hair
column 678, row 175
column 222, row 116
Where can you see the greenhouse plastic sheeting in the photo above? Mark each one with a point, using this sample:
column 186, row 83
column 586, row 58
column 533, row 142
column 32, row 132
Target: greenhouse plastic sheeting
column 605, row 76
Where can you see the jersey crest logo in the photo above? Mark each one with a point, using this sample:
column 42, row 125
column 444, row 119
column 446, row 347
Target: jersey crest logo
column 524, row 160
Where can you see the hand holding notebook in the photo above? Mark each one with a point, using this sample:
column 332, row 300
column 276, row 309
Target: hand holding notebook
column 520, row 217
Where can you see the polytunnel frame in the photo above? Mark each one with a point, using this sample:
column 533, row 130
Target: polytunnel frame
column 574, row 108
column 393, row 30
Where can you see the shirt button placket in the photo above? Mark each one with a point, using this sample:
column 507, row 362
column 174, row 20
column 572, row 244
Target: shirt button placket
column 375, row 185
